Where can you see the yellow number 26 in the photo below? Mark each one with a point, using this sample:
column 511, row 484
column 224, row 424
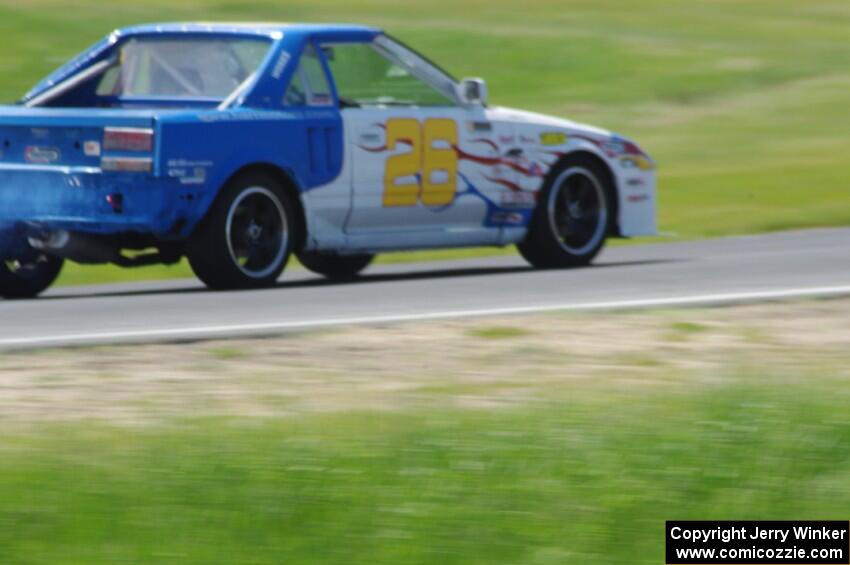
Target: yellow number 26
column 431, row 153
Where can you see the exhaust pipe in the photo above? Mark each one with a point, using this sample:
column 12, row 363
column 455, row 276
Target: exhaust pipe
column 78, row 247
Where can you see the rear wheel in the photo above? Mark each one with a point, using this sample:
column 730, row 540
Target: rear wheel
column 335, row 266
column 572, row 218
column 246, row 238
column 28, row 278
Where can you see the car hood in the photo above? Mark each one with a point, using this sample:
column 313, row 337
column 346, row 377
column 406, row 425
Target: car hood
column 532, row 118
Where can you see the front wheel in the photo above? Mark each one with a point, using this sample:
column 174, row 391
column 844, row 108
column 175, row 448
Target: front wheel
column 571, row 222
column 246, row 238
column 333, row 266
column 28, row 278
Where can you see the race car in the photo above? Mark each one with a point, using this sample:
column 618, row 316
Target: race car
column 238, row 145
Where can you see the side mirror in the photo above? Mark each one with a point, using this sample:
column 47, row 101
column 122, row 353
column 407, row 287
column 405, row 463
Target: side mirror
column 474, row 91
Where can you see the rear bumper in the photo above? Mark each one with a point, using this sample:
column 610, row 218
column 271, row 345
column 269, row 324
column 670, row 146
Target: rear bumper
column 77, row 199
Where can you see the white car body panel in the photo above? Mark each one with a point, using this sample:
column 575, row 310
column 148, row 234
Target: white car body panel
column 459, row 175
column 507, row 164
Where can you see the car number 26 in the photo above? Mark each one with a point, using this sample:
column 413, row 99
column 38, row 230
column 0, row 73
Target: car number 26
column 422, row 161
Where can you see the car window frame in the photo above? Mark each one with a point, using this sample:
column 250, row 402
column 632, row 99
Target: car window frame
column 177, row 100
column 448, row 88
column 300, row 75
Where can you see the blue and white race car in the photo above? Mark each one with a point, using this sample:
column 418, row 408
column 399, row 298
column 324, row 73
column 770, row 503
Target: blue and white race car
column 236, row 145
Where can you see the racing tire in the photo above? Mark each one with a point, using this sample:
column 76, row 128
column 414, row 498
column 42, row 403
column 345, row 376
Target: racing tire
column 28, row 279
column 572, row 218
column 246, row 238
column 335, row 267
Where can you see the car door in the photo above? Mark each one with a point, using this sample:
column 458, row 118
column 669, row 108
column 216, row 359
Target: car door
column 317, row 146
column 407, row 142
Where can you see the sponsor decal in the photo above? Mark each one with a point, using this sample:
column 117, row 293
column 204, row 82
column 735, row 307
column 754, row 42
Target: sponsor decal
column 506, row 218
column 249, row 116
column 186, row 163
column 41, row 155
column 198, row 175
column 280, row 65
column 518, row 199
column 527, row 140
column 553, row 138
column 91, row 148
column 479, row 126
column 637, row 197
column 506, row 139
column 188, row 172
column 370, row 137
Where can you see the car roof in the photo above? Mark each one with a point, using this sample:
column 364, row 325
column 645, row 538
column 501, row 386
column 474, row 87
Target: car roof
column 295, row 32
column 262, row 29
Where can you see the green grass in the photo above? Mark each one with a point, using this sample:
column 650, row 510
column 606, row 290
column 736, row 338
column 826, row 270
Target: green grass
column 498, row 332
column 581, row 478
column 744, row 103
column 228, row 353
column 683, row 330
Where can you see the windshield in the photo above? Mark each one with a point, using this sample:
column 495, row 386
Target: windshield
column 183, row 68
column 418, row 65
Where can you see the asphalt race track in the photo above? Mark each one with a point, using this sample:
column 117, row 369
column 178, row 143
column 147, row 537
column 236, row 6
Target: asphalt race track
column 784, row 265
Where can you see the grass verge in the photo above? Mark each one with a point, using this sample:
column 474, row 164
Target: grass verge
column 538, row 440
column 571, row 480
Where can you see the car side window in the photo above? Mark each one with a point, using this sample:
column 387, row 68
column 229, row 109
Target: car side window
column 366, row 77
column 309, row 85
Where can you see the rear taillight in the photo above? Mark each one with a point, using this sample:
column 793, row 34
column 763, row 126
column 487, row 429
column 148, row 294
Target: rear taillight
column 128, row 139
column 127, row 164
column 134, row 148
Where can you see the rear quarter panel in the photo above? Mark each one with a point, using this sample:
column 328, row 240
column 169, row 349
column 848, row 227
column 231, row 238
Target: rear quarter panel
column 206, row 149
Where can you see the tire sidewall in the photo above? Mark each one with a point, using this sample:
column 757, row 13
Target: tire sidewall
column 542, row 246
column 592, row 247
column 14, row 286
column 211, row 254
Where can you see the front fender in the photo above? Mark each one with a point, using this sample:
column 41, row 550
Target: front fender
column 548, row 139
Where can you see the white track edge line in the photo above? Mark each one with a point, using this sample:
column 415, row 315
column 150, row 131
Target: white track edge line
column 200, row 332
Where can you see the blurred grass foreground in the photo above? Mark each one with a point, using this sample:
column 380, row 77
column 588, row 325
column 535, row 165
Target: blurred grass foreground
column 570, row 482
column 744, row 103
column 546, row 440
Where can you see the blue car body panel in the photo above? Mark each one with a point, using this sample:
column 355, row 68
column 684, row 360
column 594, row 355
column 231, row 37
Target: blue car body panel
column 197, row 149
